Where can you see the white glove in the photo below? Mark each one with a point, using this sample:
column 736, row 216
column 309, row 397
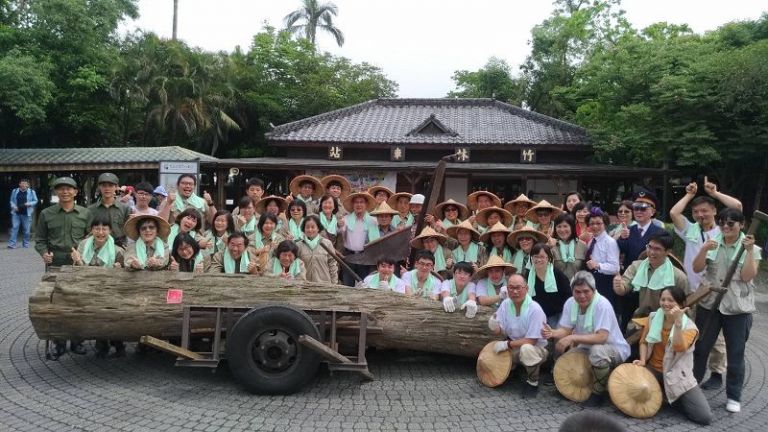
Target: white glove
column 471, row 307
column 493, row 323
column 383, row 285
column 448, row 304
column 500, row 346
column 503, row 293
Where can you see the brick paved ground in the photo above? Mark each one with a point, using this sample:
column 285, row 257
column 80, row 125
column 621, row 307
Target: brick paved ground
column 411, row 392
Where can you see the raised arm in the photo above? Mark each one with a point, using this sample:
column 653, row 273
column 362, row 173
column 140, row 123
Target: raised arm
column 676, row 212
column 727, row 200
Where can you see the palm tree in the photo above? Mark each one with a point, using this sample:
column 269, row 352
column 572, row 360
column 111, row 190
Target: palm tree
column 316, row 16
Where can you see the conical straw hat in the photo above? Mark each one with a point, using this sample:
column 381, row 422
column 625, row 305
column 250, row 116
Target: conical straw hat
column 493, row 369
column 418, row 241
column 346, row 187
column 472, row 199
column 497, row 227
column 543, row 204
column 453, row 231
column 522, row 198
column 635, row 391
column 295, row 185
column 384, row 209
column 573, row 376
column 463, row 210
column 482, row 216
column 494, row 261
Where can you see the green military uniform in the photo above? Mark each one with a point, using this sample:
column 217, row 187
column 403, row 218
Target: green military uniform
column 59, row 231
column 116, row 214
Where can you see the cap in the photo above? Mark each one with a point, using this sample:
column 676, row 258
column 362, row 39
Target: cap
column 417, row 199
column 645, row 197
column 108, row 178
column 160, row 190
column 65, row 181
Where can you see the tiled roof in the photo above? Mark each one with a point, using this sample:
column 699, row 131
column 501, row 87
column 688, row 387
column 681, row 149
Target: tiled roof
column 99, row 155
column 463, row 121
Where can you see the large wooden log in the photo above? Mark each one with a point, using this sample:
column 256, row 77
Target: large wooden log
column 91, row 303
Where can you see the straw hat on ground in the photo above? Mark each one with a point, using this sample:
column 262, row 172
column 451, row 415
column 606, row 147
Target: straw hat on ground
column 261, row 205
column 370, row 201
column 635, row 391
column 295, row 185
column 453, row 231
column 472, row 199
column 482, row 216
column 418, row 241
column 392, row 201
column 510, row 206
column 131, row 227
column 543, row 204
column 493, row 368
column 373, row 190
column 440, row 213
column 496, row 228
column 384, row 209
column 494, row 261
column 346, row 186
column 573, row 376
column 539, row 236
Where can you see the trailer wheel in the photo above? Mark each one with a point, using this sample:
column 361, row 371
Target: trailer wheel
column 264, row 353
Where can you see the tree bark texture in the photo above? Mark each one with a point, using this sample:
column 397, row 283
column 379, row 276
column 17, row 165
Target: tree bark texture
column 96, row 303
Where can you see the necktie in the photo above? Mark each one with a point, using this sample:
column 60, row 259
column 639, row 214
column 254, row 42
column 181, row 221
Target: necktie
column 591, row 248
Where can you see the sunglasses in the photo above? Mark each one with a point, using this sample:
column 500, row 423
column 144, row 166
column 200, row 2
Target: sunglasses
column 451, row 209
column 640, row 207
column 730, row 223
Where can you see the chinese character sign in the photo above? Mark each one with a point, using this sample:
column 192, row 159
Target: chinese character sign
column 462, row 154
column 528, row 156
column 335, row 152
column 397, row 153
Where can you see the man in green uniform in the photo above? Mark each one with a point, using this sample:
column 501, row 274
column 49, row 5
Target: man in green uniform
column 110, row 207
column 59, row 229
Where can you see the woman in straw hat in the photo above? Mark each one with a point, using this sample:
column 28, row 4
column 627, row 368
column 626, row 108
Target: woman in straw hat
column 495, row 241
column 548, row 285
column 401, row 202
column 567, row 250
column 666, row 349
column 274, row 205
column 285, row 262
column 295, row 214
column 491, row 285
column 149, row 252
column 459, row 292
column 420, row 281
column 307, row 189
column 449, row 213
column 523, row 240
column 468, row 249
column 436, row 243
column 337, row 187
column 518, row 207
column 320, row 265
column 380, row 193
column 490, row 216
column 540, row 217
column 520, row 320
column 384, row 214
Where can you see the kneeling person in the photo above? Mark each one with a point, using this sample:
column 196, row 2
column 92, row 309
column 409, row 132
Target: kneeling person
column 521, row 319
column 589, row 324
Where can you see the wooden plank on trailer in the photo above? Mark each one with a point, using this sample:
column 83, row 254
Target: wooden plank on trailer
column 170, row 348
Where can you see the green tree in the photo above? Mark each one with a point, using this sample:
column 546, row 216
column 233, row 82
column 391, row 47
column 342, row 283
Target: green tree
column 314, row 16
column 494, row 80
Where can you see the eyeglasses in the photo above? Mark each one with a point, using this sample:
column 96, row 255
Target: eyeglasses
column 424, row 264
column 186, row 183
column 515, row 287
column 730, row 223
column 539, row 258
column 148, row 228
column 451, row 209
column 597, row 222
column 543, row 212
column 624, row 211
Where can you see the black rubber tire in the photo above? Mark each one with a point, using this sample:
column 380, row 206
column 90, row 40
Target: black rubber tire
column 284, row 366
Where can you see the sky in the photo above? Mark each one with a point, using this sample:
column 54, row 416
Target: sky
column 417, row 43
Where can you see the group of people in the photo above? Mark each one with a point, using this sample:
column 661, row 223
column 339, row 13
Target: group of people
column 565, row 274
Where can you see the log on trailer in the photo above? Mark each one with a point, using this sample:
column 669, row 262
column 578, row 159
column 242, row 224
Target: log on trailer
column 96, row 303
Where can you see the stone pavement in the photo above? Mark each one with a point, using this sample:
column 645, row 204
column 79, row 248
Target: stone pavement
column 412, row 391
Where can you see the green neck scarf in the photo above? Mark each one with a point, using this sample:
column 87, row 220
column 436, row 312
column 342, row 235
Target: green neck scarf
column 195, row 201
column 371, row 227
column 307, row 201
column 464, row 296
column 657, row 324
column 229, row 262
column 439, row 258
column 696, row 234
column 294, row 269
column 250, row 226
column 447, row 224
column 521, row 261
column 295, row 229
column 396, row 220
column 329, row 225
column 482, row 228
column 106, row 253
column 489, row 286
column 375, row 282
column 172, row 234
column 523, row 312
column 312, row 243
column 567, row 251
column 589, row 316
column 141, row 250
column 258, row 239
column 470, row 255
column 506, row 254
column 550, row 284
column 712, row 255
column 428, row 286
column 662, row 277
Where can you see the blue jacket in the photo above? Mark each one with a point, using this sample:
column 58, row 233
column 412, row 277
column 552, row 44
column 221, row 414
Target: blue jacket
column 634, row 245
column 31, row 200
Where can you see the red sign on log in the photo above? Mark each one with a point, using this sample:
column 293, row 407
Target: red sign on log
column 173, row 296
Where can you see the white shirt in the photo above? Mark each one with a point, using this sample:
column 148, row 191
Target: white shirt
column 606, row 253
column 604, row 319
column 355, row 239
column 436, row 284
column 519, row 327
column 692, row 248
column 643, row 228
column 399, row 285
column 469, row 289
